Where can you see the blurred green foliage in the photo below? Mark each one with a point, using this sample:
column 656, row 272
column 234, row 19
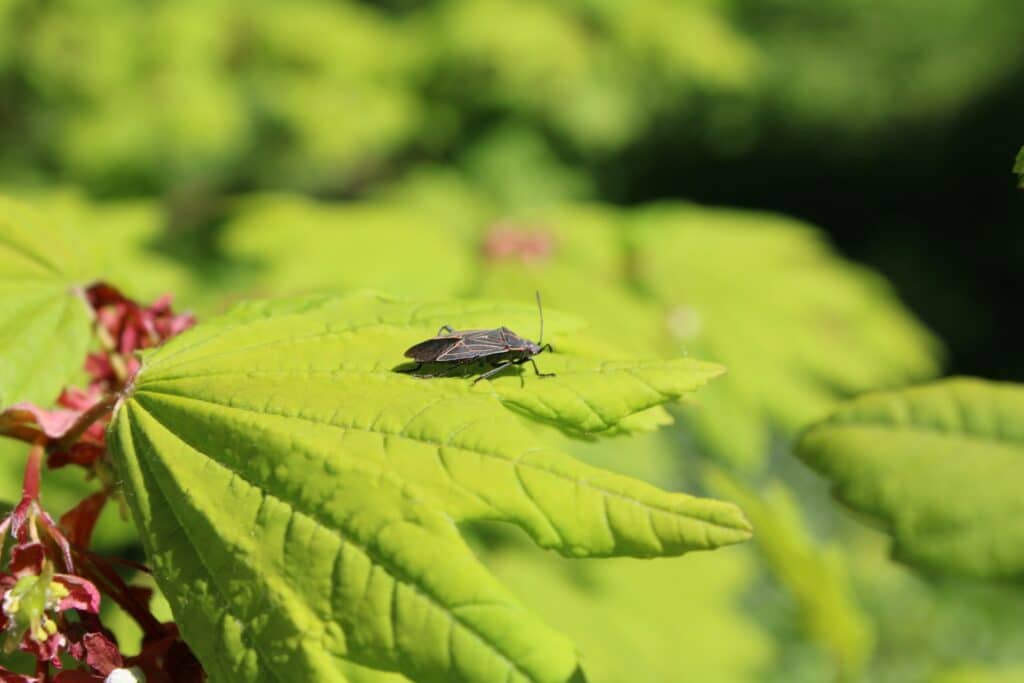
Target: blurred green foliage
column 821, row 327
column 206, row 96
column 814, row 576
column 223, row 149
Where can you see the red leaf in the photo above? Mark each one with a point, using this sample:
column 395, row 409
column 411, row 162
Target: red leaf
column 11, row 677
column 27, row 559
column 50, row 423
column 84, row 454
column 78, row 676
column 101, row 653
column 507, row 240
column 78, row 522
column 101, row 294
column 82, row 594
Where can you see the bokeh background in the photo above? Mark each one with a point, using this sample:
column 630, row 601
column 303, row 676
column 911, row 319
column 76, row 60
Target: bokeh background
column 817, row 194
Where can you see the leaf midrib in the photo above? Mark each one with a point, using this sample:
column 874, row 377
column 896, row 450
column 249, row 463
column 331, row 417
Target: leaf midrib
column 30, row 255
column 514, row 462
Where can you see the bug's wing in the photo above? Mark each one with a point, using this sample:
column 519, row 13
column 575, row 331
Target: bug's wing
column 430, row 350
column 476, row 344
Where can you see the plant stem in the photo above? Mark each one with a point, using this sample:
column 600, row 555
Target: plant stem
column 30, row 484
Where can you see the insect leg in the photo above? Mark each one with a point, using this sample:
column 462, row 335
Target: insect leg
column 495, row 370
column 535, row 370
column 448, row 329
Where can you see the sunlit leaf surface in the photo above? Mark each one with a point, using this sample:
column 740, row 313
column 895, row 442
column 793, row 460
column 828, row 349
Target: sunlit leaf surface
column 298, row 498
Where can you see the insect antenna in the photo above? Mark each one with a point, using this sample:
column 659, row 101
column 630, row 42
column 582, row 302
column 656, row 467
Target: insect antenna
column 540, row 312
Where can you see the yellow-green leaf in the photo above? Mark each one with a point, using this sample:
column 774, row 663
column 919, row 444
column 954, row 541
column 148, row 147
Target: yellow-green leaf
column 298, row 498
column 940, row 466
column 44, row 319
column 297, row 246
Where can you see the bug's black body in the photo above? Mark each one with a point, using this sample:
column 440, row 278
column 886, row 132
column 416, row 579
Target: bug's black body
column 500, row 346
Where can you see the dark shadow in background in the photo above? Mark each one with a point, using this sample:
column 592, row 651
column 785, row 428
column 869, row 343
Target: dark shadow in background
column 934, row 208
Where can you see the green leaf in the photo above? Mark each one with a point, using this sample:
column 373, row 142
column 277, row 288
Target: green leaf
column 298, row 498
column 116, row 241
column 298, row 246
column 797, row 327
column 814, row 576
column 940, row 466
column 672, row 620
column 44, row 320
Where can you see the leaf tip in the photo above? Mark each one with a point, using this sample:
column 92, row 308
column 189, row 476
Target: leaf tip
column 740, row 524
column 730, row 525
column 713, row 370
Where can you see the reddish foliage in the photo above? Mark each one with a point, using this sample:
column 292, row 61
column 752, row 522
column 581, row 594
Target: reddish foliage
column 506, row 241
column 79, row 521
column 34, row 596
column 11, row 677
column 131, row 326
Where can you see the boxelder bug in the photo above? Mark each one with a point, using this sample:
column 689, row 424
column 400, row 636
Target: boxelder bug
column 501, row 347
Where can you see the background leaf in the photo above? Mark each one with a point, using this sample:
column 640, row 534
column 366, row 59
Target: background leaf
column 813, row 576
column 822, row 327
column 372, row 245
column 44, row 320
column 939, row 466
column 119, row 240
column 277, row 467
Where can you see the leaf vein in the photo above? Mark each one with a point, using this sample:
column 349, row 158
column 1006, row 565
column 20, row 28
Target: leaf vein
column 379, row 561
column 516, row 461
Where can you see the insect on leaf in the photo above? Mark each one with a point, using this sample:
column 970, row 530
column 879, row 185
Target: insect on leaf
column 298, row 498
